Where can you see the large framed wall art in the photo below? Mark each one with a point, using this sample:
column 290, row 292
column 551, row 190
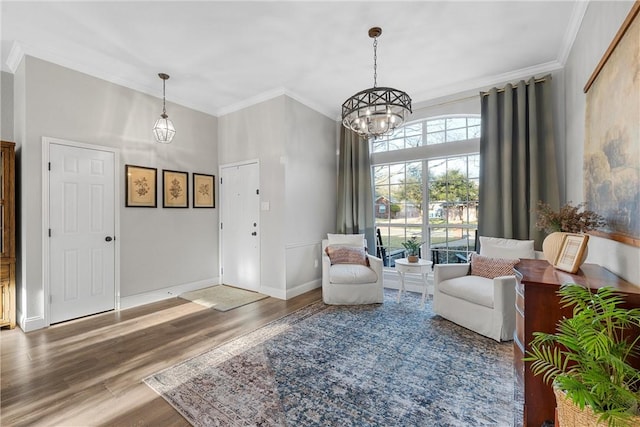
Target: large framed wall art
column 612, row 135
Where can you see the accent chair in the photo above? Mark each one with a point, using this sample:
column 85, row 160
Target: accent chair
column 480, row 295
column 349, row 274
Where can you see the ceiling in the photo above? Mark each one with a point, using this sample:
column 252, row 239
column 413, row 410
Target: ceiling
column 223, row 56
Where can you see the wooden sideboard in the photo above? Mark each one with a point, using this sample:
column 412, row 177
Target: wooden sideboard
column 7, row 236
column 538, row 310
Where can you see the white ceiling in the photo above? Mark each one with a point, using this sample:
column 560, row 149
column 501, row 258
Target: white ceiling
column 226, row 55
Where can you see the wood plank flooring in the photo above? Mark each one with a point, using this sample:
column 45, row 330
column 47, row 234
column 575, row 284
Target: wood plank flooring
column 90, row 371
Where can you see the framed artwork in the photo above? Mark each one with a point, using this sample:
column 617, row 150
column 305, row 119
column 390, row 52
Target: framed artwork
column 175, row 189
column 570, row 255
column 204, row 191
column 141, row 187
column 612, row 136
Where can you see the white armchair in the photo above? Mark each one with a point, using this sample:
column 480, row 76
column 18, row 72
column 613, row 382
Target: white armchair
column 351, row 283
column 484, row 305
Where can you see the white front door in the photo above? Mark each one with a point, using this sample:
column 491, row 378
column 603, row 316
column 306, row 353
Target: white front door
column 82, row 224
column 240, row 214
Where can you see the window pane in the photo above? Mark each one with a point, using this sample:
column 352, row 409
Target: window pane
column 456, row 135
column 474, row 132
column 413, row 141
column 380, row 175
column 396, row 173
column 435, row 138
column 456, row 123
column 435, row 125
column 396, row 144
column 379, row 146
column 473, row 121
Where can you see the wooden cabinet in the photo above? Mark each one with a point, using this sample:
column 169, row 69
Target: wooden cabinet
column 538, row 309
column 7, row 235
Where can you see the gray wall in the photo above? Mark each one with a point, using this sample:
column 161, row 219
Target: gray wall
column 600, row 24
column 61, row 103
column 310, row 190
column 297, row 153
column 6, row 106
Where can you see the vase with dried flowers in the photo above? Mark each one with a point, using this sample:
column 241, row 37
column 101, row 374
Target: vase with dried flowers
column 569, row 219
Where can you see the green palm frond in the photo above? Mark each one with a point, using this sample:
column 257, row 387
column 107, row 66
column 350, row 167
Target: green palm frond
column 588, row 355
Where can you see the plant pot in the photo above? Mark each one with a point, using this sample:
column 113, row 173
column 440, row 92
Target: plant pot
column 552, row 244
column 570, row 415
column 412, row 258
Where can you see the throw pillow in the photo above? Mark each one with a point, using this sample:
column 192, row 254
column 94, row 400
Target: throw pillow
column 340, row 254
column 506, row 248
column 492, row 267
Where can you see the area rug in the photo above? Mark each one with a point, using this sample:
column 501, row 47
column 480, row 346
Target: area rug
column 394, row 364
column 222, row 297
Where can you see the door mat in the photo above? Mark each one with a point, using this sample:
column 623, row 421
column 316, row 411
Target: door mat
column 222, row 297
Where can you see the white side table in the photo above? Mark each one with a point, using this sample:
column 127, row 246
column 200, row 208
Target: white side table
column 421, row 267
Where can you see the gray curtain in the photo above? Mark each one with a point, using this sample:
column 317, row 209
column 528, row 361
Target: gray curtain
column 355, row 198
column 517, row 159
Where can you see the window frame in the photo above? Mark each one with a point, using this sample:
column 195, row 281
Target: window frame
column 425, row 153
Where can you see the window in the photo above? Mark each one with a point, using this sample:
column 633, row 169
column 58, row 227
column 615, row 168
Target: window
column 431, row 195
column 429, row 132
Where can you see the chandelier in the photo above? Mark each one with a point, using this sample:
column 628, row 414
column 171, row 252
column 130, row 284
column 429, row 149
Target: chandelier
column 163, row 130
column 376, row 111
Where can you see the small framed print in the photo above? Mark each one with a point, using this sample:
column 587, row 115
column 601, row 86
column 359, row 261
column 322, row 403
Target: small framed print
column 204, row 191
column 175, row 189
column 570, row 256
column 141, row 187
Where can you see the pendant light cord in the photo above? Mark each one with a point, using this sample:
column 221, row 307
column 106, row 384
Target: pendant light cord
column 375, row 62
column 164, row 109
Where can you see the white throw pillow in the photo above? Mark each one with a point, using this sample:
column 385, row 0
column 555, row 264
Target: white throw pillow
column 494, row 247
column 346, row 239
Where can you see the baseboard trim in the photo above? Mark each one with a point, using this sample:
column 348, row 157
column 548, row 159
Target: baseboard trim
column 165, row 293
column 301, row 289
column 32, row 323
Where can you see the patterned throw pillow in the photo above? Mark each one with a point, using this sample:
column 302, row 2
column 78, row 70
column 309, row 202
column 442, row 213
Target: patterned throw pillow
column 492, row 267
column 339, row 254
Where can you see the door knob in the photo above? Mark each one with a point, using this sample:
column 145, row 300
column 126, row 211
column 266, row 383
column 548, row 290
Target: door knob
column 108, row 238
column 254, row 233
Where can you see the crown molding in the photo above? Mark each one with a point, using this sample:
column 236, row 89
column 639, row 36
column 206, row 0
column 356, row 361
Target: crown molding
column 486, row 82
column 15, row 56
column 575, row 21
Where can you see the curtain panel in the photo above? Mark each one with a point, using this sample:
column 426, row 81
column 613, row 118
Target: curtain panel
column 355, row 195
column 518, row 165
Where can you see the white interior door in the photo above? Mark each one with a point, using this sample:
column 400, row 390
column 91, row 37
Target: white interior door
column 240, row 214
column 82, row 225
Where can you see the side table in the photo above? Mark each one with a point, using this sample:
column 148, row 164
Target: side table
column 421, row 267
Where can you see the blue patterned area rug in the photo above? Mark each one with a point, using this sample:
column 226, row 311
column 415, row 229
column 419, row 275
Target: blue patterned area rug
column 394, row 364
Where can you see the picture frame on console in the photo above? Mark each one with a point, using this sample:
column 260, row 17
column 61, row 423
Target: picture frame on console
column 175, row 189
column 570, row 256
column 141, row 187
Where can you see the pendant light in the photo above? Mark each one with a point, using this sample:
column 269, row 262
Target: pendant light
column 163, row 130
column 376, row 111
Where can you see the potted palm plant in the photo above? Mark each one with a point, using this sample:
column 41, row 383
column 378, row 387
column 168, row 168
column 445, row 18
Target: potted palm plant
column 587, row 359
column 413, row 248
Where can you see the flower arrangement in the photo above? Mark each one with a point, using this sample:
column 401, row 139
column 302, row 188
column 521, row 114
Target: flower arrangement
column 569, row 219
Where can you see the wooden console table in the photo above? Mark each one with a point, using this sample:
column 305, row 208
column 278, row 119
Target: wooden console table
column 538, row 310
